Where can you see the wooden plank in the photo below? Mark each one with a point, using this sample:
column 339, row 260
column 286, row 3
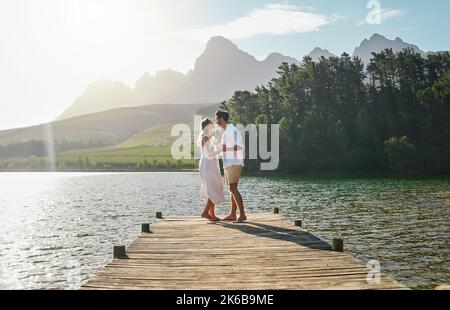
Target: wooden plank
column 268, row 252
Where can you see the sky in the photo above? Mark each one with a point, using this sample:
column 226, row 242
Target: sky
column 51, row 50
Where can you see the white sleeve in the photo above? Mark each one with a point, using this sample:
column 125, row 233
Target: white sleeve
column 224, row 139
column 239, row 141
column 234, row 139
column 230, row 141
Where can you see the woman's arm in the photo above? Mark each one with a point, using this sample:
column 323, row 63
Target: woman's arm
column 204, row 140
column 217, row 152
column 211, row 150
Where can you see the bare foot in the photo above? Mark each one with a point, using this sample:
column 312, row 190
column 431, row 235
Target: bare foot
column 215, row 218
column 241, row 219
column 230, row 218
column 206, row 215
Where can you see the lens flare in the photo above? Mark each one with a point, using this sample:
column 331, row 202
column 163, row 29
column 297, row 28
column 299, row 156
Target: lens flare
column 50, row 147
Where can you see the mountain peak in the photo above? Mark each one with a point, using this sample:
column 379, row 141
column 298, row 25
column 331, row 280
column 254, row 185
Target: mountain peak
column 217, row 53
column 275, row 55
column 144, row 78
column 276, row 59
column 168, row 73
column 317, row 53
column 321, row 50
column 219, row 42
column 377, row 43
column 377, row 36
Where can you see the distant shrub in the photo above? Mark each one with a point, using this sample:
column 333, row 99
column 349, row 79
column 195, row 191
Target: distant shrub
column 400, row 153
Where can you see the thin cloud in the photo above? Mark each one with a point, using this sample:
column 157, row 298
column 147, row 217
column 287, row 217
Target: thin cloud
column 383, row 14
column 273, row 19
column 388, row 13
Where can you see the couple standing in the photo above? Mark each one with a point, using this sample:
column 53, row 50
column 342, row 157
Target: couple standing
column 232, row 149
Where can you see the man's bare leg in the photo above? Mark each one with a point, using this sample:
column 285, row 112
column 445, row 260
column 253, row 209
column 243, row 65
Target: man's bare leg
column 240, row 203
column 233, row 216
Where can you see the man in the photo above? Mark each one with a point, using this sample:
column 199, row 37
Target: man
column 233, row 161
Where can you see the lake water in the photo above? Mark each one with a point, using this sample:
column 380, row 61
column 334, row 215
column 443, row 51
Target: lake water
column 57, row 230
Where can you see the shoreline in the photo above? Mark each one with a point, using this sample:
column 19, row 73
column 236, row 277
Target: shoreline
column 266, row 174
column 98, row 171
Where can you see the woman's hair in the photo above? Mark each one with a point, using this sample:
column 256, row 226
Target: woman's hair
column 206, row 122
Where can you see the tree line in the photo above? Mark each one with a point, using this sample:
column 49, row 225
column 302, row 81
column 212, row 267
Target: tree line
column 337, row 115
column 40, row 148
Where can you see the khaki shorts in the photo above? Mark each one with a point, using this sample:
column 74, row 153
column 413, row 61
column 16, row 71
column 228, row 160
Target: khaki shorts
column 232, row 174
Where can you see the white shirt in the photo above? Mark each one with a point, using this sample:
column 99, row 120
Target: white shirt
column 231, row 138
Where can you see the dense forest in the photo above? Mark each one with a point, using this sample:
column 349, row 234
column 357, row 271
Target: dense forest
column 337, row 115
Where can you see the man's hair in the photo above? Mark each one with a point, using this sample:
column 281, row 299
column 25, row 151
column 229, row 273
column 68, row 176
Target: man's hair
column 224, row 115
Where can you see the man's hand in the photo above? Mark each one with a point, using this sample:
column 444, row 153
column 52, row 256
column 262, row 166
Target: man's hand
column 231, row 149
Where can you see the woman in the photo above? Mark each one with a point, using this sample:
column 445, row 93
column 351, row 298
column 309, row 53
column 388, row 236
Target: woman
column 212, row 186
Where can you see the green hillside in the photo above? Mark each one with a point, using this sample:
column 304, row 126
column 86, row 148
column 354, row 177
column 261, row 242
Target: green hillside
column 159, row 135
column 108, row 127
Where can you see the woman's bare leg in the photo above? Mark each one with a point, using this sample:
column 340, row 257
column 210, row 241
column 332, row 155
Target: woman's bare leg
column 205, row 213
column 213, row 214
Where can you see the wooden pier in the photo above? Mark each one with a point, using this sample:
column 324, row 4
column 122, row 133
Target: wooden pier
column 267, row 252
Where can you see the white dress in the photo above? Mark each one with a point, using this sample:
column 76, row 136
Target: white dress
column 212, row 184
